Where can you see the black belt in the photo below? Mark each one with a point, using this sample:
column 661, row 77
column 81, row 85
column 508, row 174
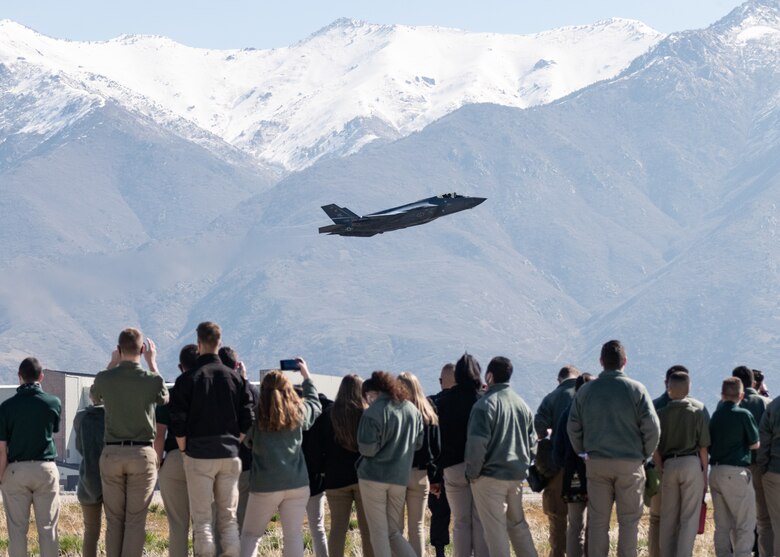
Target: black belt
column 33, row 460
column 679, row 455
column 130, row 443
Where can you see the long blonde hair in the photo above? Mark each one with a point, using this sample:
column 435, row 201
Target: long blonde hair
column 279, row 408
column 418, row 398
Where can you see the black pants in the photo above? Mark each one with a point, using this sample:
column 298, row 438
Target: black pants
column 440, row 519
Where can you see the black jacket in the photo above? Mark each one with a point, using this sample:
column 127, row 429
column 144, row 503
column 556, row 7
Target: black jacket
column 454, row 407
column 336, row 463
column 312, row 448
column 426, row 456
column 575, row 483
column 244, row 452
column 211, row 406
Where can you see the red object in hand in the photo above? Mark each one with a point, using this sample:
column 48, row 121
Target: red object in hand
column 702, row 517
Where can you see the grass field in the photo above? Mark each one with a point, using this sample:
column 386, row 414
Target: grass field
column 70, row 528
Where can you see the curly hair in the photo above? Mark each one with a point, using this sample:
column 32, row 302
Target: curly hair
column 385, row 382
column 279, row 408
column 346, row 412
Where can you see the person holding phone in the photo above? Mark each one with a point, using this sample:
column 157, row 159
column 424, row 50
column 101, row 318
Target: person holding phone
column 279, row 479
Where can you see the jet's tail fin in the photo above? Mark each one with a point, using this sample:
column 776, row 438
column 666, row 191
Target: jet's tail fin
column 339, row 215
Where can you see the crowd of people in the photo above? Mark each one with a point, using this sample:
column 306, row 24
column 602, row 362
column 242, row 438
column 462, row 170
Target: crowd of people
column 228, row 456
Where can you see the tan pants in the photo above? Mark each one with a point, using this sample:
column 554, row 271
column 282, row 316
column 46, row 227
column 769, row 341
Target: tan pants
column 35, row 484
column 500, row 507
column 555, row 508
column 340, row 505
column 734, row 503
column 315, row 516
column 766, row 536
column 384, row 506
column 618, row 482
column 128, row 475
column 653, row 543
column 93, row 519
column 575, row 533
column 173, row 490
column 416, row 501
column 682, row 488
column 243, row 497
column 261, row 507
column 771, row 482
column 467, row 533
column 212, row 485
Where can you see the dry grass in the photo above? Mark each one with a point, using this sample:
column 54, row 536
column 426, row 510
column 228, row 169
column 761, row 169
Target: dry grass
column 70, row 528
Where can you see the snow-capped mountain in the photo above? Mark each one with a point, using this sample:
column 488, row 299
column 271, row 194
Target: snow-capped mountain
column 642, row 207
column 343, row 87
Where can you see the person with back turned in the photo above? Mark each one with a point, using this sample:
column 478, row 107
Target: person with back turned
column 211, row 411
column 545, row 424
column 128, row 463
column 28, row 472
column 614, row 426
column 734, row 434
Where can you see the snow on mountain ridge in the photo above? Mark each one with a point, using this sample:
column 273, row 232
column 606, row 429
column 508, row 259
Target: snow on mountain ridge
column 340, row 88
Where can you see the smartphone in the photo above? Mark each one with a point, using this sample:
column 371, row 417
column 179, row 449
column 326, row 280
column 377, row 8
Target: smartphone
column 289, row 365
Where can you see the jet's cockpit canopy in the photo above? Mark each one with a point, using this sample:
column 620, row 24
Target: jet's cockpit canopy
column 452, row 195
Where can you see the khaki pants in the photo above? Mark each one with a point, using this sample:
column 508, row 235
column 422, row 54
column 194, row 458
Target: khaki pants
column 315, row 515
column 618, row 482
column 243, row 497
column 384, row 506
column 128, row 475
column 467, row 533
column 93, row 518
column 500, row 507
column 173, row 490
column 340, row 505
column 575, row 534
column 555, row 508
column 416, row 500
column 654, row 549
column 766, row 537
column 734, row 503
column 35, row 484
column 771, row 482
column 261, row 507
column 212, row 485
column 682, row 488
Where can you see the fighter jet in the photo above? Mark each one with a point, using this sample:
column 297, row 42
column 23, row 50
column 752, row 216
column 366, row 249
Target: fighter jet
column 348, row 223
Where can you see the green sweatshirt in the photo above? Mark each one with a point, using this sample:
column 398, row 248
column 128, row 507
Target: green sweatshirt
column 500, row 436
column 613, row 417
column 388, row 435
column 277, row 457
column 768, row 458
column 552, row 407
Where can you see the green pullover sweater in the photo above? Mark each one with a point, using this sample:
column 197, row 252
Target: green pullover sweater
column 500, row 436
column 277, row 458
column 388, row 435
column 613, row 417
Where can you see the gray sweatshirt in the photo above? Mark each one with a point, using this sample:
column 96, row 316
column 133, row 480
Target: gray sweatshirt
column 613, row 417
column 500, row 436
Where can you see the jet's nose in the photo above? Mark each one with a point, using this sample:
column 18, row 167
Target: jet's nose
column 474, row 201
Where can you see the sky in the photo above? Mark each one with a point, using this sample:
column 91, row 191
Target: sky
column 267, row 24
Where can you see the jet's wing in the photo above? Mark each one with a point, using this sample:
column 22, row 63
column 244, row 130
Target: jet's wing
column 339, row 215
